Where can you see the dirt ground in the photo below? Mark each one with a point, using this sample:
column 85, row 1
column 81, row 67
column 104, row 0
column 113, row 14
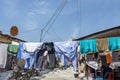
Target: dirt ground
column 67, row 74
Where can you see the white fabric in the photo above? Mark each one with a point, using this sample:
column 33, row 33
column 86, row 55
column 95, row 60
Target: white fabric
column 3, row 55
column 45, row 53
column 114, row 65
column 31, row 47
column 15, row 43
column 78, row 49
column 92, row 64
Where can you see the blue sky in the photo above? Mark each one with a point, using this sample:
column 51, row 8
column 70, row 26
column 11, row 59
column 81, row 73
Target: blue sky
column 77, row 19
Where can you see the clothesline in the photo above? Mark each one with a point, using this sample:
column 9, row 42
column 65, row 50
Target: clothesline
column 29, row 50
column 99, row 45
column 66, row 50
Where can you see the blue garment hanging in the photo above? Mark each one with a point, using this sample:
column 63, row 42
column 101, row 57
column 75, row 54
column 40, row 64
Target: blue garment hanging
column 67, row 51
column 88, row 46
column 114, row 43
column 29, row 59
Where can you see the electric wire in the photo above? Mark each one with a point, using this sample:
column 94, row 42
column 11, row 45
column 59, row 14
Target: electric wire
column 57, row 36
column 54, row 17
column 59, row 9
column 79, row 14
column 50, row 21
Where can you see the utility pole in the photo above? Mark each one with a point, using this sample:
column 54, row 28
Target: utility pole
column 41, row 35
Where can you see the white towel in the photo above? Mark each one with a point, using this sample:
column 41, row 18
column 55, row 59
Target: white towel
column 3, row 55
column 31, row 47
column 15, row 43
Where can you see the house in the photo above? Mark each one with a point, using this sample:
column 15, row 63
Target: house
column 5, row 38
column 115, row 58
column 111, row 32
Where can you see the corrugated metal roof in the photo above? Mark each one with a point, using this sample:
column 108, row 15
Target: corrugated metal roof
column 5, row 38
column 111, row 32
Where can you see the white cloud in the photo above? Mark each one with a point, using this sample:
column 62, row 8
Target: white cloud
column 39, row 12
column 30, row 25
column 39, row 3
column 44, row 7
column 10, row 8
column 41, row 8
column 76, row 32
column 30, row 22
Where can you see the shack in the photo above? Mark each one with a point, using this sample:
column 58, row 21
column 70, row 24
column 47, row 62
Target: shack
column 6, row 38
column 113, row 59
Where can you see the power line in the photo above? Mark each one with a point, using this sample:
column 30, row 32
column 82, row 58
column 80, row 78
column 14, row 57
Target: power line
column 35, row 29
column 79, row 14
column 56, row 36
column 50, row 20
column 55, row 15
column 55, row 33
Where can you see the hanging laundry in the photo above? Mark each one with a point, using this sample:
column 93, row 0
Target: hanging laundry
column 47, row 49
column 108, row 58
column 31, row 47
column 12, row 49
column 114, row 43
column 67, row 51
column 11, row 57
column 51, row 54
column 80, row 56
column 11, row 60
column 103, row 59
column 21, row 53
column 15, row 43
column 88, row 46
column 27, row 51
column 40, row 59
column 3, row 55
column 78, row 49
column 102, row 44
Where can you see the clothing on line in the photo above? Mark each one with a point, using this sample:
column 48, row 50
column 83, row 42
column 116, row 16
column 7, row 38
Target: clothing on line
column 88, row 46
column 49, row 47
column 102, row 44
column 11, row 60
column 114, row 43
column 21, row 53
column 31, row 47
column 12, row 49
column 26, row 55
column 67, row 51
column 3, row 55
